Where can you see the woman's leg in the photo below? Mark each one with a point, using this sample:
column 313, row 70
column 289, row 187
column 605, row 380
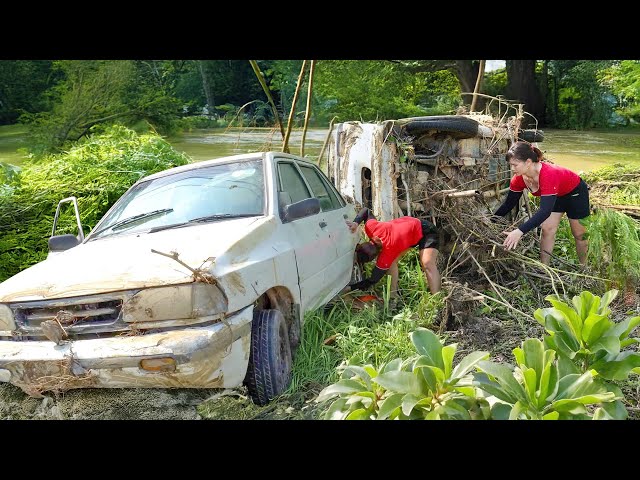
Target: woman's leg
column 428, row 259
column 582, row 244
column 394, row 272
column 548, row 238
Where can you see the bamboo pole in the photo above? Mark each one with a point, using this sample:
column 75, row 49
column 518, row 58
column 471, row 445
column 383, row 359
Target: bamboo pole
column 260, row 76
column 324, row 145
column 285, row 142
column 307, row 112
column 476, row 89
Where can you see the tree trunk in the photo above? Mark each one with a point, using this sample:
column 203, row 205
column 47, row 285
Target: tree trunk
column 523, row 88
column 467, row 73
column 206, row 86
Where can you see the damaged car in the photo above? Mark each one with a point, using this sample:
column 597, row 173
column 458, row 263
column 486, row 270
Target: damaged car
column 411, row 165
column 198, row 276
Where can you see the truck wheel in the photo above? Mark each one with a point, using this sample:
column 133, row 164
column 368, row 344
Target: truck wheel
column 269, row 370
column 457, row 126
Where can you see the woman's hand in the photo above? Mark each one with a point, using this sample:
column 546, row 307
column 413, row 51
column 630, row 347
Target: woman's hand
column 512, row 239
column 352, row 226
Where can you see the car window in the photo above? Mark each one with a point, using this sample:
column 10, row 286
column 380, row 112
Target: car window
column 321, row 189
column 226, row 190
column 291, row 182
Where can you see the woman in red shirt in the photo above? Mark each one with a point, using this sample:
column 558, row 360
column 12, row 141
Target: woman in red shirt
column 560, row 190
column 389, row 241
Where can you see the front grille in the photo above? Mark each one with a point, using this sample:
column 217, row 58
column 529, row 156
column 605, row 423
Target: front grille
column 79, row 315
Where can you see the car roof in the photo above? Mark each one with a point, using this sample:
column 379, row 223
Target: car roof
column 245, row 157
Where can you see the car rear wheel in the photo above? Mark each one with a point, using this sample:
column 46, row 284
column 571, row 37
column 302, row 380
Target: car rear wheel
column 269, row 370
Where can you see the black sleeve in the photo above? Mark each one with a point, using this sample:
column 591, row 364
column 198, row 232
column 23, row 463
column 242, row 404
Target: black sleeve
column 363, row 215
column 375, row 277
column 546, row 207
column 510, row 202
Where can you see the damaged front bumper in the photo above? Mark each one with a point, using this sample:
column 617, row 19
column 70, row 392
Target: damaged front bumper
column 215, row 356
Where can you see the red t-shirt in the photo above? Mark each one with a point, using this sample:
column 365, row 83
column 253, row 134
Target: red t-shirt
column 554, row 180
column 397, row 235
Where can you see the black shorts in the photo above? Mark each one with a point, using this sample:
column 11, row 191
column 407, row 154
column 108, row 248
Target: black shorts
column 429, row 236
column 575, row 203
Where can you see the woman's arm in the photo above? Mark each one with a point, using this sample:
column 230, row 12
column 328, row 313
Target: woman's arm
column 510, row 202
column 375, row 277
column 547, row 203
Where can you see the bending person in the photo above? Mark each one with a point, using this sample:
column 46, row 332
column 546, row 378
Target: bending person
column 560, row 190
column 389, row 241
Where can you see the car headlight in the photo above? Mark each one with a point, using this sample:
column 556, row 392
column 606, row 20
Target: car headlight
column 6, row 318
column 174, row 303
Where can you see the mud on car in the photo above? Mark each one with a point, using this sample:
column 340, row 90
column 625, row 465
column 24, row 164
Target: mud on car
column 409, row 166
column 198, row 276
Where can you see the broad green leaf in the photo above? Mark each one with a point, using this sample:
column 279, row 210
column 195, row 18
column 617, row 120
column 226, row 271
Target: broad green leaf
column 360, row 372
column 400, row 382
column 551, row 416
column 586, row 304
column 607, row 298
column 618, row 367
column 428, row 344
column 569, row 314
column 572, row 386
column 468, row 363
column 500, row 411
column 517, row 409
column 568, row 406
column 467, row 391
column 504, row 376
column 614, row 410
column 454, row 410
column 360, row 414
column 540, row 315
column 594, row 326
column 448, row 352
column 562, row 347
column 530, row 380
column 609, row 343
column 624, row 328
column 392, row 366
column 408, row 402
column 518, row 353
column 428, row 377
column 337, row 410
column 534, row 354
column 373, row 373
column 566, row 367
column 548, row 384
column 365, row 398
column 342, row 386
column 389, row 404
column 629, row 341
column 438, row 374
column 483, row 382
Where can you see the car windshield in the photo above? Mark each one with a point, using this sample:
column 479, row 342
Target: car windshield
column 213, row 193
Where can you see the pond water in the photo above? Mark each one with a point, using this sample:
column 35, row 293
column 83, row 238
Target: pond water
column 578, row 150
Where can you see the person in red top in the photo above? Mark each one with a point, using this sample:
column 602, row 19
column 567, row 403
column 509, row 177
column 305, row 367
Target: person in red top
column 560, row 190
column 388, row 241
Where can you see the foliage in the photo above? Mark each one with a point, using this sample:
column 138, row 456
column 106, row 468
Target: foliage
column 97, row 170
column 22, row 84
column 425, row 386
column 585, row 335
column 623, row 79
column 536, row 389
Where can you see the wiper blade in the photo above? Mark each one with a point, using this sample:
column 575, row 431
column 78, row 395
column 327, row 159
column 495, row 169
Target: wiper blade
column 167, row 227
column 133, row 219
column 220, row 216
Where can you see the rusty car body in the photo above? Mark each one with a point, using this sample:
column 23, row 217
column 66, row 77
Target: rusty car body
column 198, row 276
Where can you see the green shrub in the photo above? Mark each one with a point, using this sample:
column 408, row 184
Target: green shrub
column 97, row 170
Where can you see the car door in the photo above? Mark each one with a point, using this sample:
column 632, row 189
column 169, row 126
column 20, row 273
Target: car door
column 314, row 250
column 335, row 211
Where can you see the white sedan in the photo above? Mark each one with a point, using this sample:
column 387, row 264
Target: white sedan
column 198, row 276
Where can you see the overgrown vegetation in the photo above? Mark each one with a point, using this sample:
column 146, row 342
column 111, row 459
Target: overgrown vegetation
column 97, row 171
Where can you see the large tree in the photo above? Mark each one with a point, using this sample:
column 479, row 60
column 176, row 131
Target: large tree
column 522, row 87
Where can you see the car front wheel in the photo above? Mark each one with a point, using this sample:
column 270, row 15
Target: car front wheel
column 269, row 370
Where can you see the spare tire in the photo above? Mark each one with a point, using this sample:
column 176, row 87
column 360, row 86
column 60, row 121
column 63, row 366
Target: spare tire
column 531, row 135
column 458, row 126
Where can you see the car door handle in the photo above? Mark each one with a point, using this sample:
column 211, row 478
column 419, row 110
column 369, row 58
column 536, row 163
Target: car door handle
column 322, row 224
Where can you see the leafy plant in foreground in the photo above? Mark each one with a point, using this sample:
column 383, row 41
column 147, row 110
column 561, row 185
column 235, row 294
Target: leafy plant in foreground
column 585, row 335
column 536, row 389
column 425, row 386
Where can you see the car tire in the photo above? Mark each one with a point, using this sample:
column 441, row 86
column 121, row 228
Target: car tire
column 531, row 135
column 269, row 370
column 457, row 126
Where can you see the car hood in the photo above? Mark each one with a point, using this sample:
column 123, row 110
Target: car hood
column 124, row 262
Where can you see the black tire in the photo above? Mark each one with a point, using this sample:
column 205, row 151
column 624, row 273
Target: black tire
column 531, row 136
column 269, row 370
column 457, row 126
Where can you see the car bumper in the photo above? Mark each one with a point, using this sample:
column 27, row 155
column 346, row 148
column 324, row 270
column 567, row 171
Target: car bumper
column 215, row 356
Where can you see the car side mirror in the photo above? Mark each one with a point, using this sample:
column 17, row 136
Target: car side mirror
column 301, row 209
column 60, row 243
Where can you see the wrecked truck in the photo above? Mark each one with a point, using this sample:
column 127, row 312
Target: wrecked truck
column 410, row 166
column 198, row 276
